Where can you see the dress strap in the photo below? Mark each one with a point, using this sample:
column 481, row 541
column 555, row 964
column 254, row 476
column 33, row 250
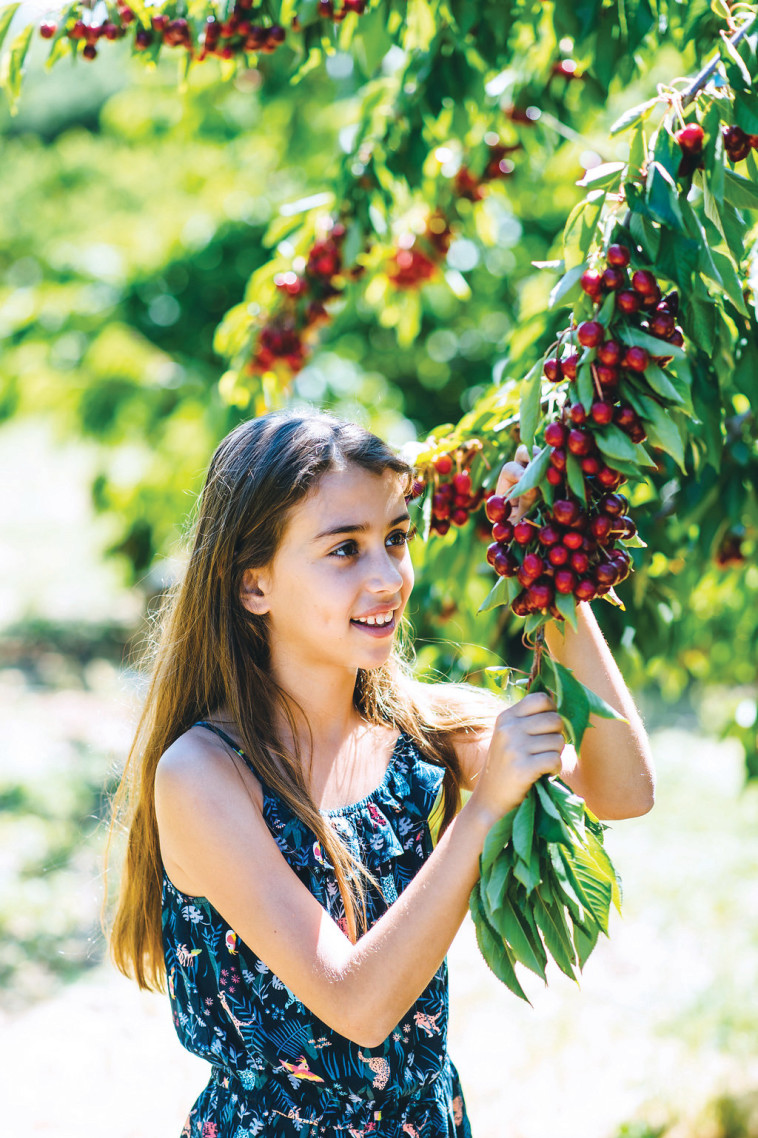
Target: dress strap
column 227, row 739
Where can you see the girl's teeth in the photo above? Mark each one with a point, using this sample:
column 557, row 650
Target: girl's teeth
column 376, row 619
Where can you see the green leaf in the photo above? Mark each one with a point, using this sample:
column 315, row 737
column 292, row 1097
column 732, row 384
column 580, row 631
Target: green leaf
column 492, row 947
column 497, row 838
column 566, row 605
column 668, row 386
column 730, row 282
column 529, row 407
column 570, row 805
column 6, row 17
column 523, row 827
column 606, row 175
column 11, row 66
column 557, row 941
column 738, row 62
column 662, row 197
column 573, row 705
column 533, row 474
column 584, row 385
column 615, row 445
column 493, row 892
column 576, row 477
column 498, row 595
column 518, row 936
column 633, row 115
column 528, row 873
column 740, row 191
column 746, row 111
column 663, row 430
column 637, row 337
column 594, row 893
column 567, row 285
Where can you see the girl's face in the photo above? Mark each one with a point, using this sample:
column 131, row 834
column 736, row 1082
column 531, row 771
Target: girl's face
column 340, row 580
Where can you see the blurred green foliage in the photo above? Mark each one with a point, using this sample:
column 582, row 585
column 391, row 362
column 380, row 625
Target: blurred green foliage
column 132, row 216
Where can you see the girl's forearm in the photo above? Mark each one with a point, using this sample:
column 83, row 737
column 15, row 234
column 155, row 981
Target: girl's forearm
column 615, row 771
column 396, row 959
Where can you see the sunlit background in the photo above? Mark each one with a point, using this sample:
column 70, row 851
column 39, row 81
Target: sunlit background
column 130, row 219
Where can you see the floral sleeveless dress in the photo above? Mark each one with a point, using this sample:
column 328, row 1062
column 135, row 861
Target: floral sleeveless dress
column 276, row 1068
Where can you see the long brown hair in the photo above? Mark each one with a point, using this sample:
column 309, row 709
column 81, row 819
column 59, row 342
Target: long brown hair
column 211, row 653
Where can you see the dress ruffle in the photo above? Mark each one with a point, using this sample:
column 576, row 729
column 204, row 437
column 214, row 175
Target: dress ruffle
column 386, row 824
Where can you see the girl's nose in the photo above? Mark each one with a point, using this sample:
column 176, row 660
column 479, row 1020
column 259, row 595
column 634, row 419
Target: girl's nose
column 384, row 574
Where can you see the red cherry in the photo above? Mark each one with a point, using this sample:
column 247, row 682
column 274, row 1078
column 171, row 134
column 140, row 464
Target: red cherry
column 553, row 476
column 644, row 282
column 609, row 477
column 662, row 324
column 459, row 516
column 505, row 564
column 590, row 465
column 492, row 550
column 573, row 539
column 653, row 299
column 443, row 464
column 553, row 370
column 677, row 338
column 47, row 31
column 625, row 417
column 555, row 434
column 462, row 482
column 540, row 595
column 579, row 442
column 89, row 51
column 601, row 527
column 602, row 412
column 558, row 555
column 591, row 282
column 636, row 358
column 606, row 573
column 610, row 352
column 549, row 535
column 580, row 562
column 519, row 606
column 585, row 589
column 613, row 504
column 502, row 531
column 523, row 532
column 628, row 302
column 558, row 459
column 440, row 506
column 590, row 333
column 533, row 565
column 565, row 511
column 607, row 374
column 618, row 255
column 569, row 365
column 577, row 413
column 630, row 528
column 613, row 279
column 142, row 39
column 496, row 508
column 565, row 581
column 690, row 138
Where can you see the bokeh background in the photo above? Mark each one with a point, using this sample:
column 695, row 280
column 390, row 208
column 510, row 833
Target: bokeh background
column 131, row 216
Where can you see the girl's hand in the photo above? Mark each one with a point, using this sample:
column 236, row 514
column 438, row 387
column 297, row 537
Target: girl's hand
column 509, row 476
column 527, row 742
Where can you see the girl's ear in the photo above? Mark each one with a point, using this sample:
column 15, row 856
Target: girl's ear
column 254, row 591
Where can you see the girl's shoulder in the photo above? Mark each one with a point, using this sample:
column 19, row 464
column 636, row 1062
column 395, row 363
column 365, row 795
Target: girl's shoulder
column 201, row 761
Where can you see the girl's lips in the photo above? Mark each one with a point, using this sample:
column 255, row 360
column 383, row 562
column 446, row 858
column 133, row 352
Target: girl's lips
column 376, row 629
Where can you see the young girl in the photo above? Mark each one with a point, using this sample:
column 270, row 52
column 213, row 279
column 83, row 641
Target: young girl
column 280, row 871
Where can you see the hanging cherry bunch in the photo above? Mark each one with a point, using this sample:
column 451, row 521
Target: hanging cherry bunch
column 453, row 497
column 238, row 33
column 691, row 139
column 571, row 545
column 287, row 335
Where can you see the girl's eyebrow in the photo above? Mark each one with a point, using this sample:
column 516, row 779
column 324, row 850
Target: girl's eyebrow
column 359, row 527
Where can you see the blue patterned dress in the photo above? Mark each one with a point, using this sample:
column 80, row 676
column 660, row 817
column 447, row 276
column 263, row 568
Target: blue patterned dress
column 277, row 1068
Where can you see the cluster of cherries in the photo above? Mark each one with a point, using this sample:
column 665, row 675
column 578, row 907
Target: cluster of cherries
column 691, row 139
column 222, row 38
column 303, row 308
column 730, row 553
column 570, row 548
column 454, row 498
column 416, row 259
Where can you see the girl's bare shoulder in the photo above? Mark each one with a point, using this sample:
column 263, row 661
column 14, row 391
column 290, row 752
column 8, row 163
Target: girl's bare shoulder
column 199, row 763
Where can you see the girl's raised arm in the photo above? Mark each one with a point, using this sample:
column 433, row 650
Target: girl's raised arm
column 215, row 842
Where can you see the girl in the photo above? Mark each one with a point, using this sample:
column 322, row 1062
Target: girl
column 280, row 870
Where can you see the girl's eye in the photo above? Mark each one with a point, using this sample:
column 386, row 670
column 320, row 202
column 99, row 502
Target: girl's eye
column 398, row 537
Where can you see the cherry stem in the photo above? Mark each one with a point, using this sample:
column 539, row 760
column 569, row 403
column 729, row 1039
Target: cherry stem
column 539, row 646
